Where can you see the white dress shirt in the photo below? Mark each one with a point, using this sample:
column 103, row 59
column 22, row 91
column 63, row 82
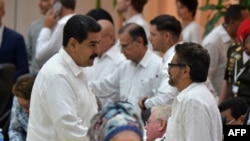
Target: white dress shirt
column 105, row 66
column 217, row 43
column 62, row 104
column 129, row 78
column 159, row 88
column 192, row 33
column 49, row 42
column 195, row 116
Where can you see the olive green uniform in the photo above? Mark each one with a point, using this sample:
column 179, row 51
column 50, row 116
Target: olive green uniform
column 242, row 82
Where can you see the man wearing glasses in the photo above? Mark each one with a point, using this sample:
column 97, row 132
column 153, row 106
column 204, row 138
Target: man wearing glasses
column 129, row 78
column 195, row 115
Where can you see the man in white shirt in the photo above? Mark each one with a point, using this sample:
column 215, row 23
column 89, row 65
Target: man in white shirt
column 195, row 115
column 130, row 77
column 165, row 31
column 131, row 11
column 62, row 104
column 109, row 56
column 33, row 33
column 219, row 40
column 191, row 30
column 49, row 40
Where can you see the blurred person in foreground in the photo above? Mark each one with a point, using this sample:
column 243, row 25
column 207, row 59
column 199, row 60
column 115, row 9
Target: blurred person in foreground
column 116, row 122
column 20, row 108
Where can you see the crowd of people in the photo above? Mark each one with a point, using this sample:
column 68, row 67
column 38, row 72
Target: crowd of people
column 75, row 80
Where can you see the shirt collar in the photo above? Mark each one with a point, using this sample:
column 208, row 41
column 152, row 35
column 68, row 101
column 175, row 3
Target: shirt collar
column 70, row 62
column 182, row 94
column 111, row 53
column 146, row 59
column 169, row 54
column 225, row 36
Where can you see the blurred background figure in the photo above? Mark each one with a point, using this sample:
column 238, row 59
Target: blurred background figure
column 156, row 124
column 50, row 38
column 12, row 51
column 20, row 108
column 237, row 73
column 116, row 122
column 109, row 56
column 131, row 11
column 219, row 40
column 186, row 11
column 33, row 32
column 234, row 110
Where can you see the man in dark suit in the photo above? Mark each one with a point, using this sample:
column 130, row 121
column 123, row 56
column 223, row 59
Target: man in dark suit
column 12, row 50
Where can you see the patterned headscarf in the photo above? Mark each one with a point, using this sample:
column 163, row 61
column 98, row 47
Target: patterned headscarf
column 114, row 118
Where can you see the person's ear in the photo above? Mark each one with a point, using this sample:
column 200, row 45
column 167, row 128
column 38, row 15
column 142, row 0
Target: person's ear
column 139, row 41
column 72, row 45
column 163, row 125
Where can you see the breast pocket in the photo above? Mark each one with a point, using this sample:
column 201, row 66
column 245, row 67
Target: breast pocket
column 124, row 90
column 87, row 104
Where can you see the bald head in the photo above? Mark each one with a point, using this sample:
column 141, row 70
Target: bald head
column 107, row 36
column 107, row 26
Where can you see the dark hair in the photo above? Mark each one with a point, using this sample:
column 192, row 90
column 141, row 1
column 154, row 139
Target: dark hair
column 135, row 31
column 100, row 14
column 138, row 5
column 70, row 4
column 237, row 105
column 196, row 57
column 77, row 27
column 233, row 12
column 190, row 4
column 167, row 23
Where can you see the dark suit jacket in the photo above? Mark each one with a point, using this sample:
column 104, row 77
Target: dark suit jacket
column 13, row 50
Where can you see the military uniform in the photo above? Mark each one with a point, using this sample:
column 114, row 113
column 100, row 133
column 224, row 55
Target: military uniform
column 239, row 81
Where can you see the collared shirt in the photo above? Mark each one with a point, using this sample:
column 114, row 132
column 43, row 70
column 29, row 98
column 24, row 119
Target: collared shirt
column 129, row 78
column 192, row 33
column 105, row 66
column 49, row 42
column 1, row 34
column 62, row 104
column 217, row 43
column 18, row 122
column 195, row 116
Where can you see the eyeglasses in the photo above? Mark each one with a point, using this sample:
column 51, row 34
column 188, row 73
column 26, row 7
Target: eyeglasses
column 176, row 65
column 126, row 46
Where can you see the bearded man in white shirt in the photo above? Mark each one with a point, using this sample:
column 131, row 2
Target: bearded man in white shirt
column 62, row 104
column 195, row 115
